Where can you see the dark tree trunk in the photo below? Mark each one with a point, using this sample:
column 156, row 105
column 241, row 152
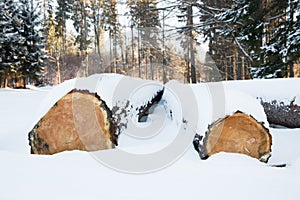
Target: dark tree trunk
column 191, row 44
column 24, row 82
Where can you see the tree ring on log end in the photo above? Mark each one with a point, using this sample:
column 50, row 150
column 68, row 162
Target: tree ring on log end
column 237, row 133
column 78, row 121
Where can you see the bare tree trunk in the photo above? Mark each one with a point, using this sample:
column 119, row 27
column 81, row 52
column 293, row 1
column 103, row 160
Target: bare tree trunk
column 5, row 77
column 146, row 64
column 163, row 53
column 126, row 55
column 110, row 54
column 292, row 74
column 139, row 53
column 192, row 54
column 115, row 51
column 151, row 66
column 58, row 78
column 24, row 82
column 86, row 64
column 132, row 51
column 226, row 70
column 188, row 74
column 243, row 68
column 122, row 45
column 5, row 81
column 97, row 28
column 235, row 63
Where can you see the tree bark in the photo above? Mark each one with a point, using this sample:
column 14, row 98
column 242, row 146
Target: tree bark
column 191, row 44
column 144, row 110
column 279, row 113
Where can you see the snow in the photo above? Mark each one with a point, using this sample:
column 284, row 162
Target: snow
column 212, row 101
column 284, row 90
column 77, row 175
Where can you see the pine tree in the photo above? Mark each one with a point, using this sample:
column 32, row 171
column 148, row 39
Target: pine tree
column 112, row 25
column 8, row 39
column 49, row 27
column 62, row 14
column 290, row 49
column 261, row 29
column 145, row 18
column 30, row 51
column 188, row 42
column 97, row 7
column 82, row 22
column 223, row 23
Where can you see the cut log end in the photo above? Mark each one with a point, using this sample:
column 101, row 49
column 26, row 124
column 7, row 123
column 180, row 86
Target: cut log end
column 78, row 121
column 237, row 133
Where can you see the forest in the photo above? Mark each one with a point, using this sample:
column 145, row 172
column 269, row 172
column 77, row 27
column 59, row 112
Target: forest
column 50, row 41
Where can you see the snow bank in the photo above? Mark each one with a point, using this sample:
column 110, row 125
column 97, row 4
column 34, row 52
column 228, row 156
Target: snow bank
column 76, row 175
column 283, row 90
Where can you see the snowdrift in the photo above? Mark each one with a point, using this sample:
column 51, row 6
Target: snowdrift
column 76, row 175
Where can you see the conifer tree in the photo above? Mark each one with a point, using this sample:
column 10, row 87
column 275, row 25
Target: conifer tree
column 8, row 40
column 97, row 19
column 112, row 25
column 145, row 18
column 62, row 14
column 30, row 50
column 82, row 23
column 262, row 31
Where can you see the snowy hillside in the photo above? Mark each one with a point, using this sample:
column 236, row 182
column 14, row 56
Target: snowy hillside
column 77, row 175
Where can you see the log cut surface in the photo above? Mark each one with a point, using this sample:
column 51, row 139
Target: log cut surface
column 237, row 133
column 78, row 121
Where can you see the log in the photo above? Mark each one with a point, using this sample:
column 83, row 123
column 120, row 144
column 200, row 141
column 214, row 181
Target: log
column 237, row 133
column 144, row 110
column 279, row 113
column 125, row 110
column 78, row 121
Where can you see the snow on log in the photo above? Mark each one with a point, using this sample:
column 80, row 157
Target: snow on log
column 145, row 109
column 78, row 121
column 280, row 113
column 237, row 133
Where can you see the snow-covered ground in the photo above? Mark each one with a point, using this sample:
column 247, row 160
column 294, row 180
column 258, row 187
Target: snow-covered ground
column 77, row 175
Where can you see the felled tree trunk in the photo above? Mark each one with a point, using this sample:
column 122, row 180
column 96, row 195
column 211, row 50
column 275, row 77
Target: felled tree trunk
column 237, row 133
column 78, row 121
column 144, row 110
column 281, row 114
